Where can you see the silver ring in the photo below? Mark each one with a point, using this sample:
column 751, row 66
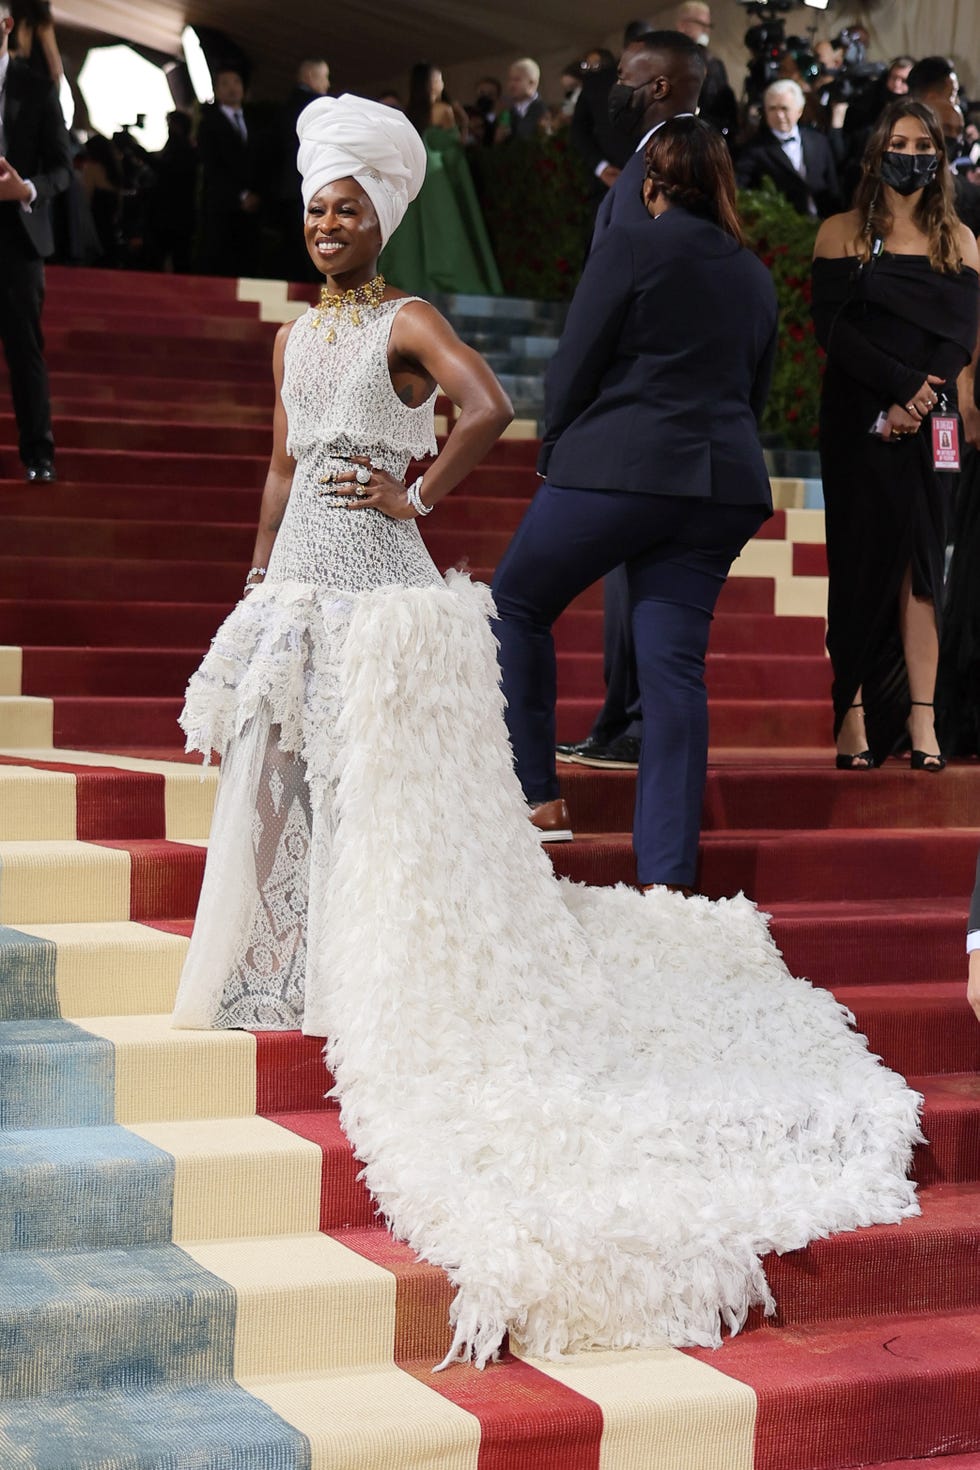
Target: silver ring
column 363, row 475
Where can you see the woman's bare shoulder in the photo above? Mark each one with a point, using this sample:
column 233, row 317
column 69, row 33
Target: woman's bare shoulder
column 838, row 236
column 442, row 115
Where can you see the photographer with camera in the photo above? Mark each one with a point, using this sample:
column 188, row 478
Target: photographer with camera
column 798, row 160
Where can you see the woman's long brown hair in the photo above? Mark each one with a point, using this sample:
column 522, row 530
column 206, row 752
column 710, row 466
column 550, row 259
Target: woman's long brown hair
column 935, row 213
column 688, row 162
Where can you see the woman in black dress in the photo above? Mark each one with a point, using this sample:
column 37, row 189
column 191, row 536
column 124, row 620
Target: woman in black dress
column 895, row 299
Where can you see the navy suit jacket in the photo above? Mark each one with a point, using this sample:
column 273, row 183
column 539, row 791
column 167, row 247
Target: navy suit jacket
column 663, row 368
column 623, row 204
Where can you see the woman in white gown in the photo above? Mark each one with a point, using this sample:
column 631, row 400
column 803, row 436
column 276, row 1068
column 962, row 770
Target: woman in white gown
column 595, row 1109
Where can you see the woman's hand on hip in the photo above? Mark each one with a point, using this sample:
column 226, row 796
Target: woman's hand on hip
column 379, row 491
column 899, row 423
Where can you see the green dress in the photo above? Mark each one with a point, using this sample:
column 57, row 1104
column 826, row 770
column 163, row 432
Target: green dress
column 442, row 243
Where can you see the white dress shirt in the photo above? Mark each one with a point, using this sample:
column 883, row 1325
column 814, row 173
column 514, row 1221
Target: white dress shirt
column 521, row 107
column 792, row 146
column 237, row 119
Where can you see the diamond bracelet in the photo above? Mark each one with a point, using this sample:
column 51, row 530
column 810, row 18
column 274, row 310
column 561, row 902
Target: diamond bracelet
column 415, row 499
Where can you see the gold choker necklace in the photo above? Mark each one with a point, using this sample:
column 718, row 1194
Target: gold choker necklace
column 339, row 304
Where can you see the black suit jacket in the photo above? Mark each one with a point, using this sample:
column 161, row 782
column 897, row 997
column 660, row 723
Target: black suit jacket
column 526, row 127
column 764, row 158
column 974, row 920
column 229, row 164
column 663, row 368
column 592, row 134
column 38, row 148
column 717, row 104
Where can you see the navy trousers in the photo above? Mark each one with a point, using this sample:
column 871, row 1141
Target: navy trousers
column 677, row 553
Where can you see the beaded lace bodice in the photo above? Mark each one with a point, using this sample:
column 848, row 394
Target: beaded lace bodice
column 340, row 401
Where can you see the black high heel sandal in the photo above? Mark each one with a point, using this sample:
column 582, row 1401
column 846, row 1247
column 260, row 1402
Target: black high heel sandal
column 846, row 762
column 926, row 760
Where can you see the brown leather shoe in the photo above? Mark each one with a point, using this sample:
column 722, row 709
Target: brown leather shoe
column 552, row 821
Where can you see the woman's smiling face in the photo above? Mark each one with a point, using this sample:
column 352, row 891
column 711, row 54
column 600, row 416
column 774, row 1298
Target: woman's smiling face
column 342, row 231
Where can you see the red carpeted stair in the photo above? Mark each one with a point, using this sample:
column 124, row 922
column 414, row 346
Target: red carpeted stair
column 114, row 580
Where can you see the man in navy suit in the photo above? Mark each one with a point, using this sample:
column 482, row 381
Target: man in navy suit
column 799, row 160
column 660, row 76
column 35, row 166
column 652, row 459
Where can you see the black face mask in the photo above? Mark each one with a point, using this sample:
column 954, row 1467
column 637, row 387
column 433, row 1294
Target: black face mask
column 625, row 110
column 908, row 172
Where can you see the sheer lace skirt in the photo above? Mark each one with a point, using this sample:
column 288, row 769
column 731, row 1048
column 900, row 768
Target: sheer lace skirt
column 247, row 962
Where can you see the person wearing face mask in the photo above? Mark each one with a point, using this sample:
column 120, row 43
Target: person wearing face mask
column 652, row 459
column 895, row 304
column 798, row 160
column 933, row 80
column 717, row 103
column 659, row 77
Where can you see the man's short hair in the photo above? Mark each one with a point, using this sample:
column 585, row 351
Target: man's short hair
column 529, row 67
column 785, row 84
column 673, row 43
column 929, row 74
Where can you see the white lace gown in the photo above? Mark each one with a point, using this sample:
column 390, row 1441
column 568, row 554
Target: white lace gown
column 596, row 1110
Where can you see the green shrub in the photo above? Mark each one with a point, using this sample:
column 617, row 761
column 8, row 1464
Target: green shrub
column 783, row 241
column 537, row 197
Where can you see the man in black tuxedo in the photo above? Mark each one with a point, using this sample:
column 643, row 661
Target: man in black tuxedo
column 660, row 75
column 604, row 148
column 522, row 119
column 799, row 160
column 35, row 166
column 230, row 201
column 717, row 103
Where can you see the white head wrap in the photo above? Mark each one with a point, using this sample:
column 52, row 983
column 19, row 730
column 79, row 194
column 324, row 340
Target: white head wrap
column 350, row 138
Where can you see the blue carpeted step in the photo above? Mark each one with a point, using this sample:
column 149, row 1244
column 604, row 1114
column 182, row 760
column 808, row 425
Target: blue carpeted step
column 83, row 1189
column 54, row 1075
column 214, row 1426
column 111, row 1320
column 27, row 976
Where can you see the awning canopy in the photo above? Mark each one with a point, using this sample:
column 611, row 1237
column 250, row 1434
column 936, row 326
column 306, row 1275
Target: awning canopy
column 371, row 45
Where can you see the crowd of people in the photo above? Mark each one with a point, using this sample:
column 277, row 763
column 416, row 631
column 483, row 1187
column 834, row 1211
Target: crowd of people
column 222, row 197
